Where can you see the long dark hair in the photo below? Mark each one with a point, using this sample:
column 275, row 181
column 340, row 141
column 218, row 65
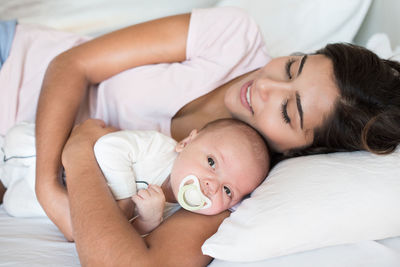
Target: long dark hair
column 367, row 114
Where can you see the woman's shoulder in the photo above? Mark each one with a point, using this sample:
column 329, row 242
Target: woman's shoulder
column 222, row 30
column 228, row 39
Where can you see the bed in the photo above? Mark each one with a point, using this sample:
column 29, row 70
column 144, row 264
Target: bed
column 37, row 242
column 354, row 237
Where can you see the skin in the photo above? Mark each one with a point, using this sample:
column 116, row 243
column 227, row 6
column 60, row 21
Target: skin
column 271, row 86
column 120, row 244
column 150, row 206
column 2, row 191
column 233, row 172
column 64, row 87
column 227, row 171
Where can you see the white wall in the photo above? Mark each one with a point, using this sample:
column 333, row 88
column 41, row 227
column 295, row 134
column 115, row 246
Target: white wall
column 383, row 16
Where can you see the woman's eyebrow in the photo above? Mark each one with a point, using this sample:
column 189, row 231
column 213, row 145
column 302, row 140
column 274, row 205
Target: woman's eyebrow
column 298, row 99
column 299, row 108
column 303, row 60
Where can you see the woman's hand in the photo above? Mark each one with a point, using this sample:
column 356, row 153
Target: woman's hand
column 82, row 138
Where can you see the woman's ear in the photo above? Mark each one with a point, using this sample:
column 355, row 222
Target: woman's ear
column 182, row 144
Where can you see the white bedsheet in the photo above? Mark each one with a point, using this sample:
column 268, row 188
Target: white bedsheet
column 384, row 253
column 36, row 242
column 33, row 242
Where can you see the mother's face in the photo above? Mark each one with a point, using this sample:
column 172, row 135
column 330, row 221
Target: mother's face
column 286, row 99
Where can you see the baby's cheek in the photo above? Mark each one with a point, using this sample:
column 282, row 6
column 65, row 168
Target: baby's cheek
column 217, row 207
column 209, row 211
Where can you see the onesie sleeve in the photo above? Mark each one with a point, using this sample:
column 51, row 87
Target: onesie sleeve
column 116, row 154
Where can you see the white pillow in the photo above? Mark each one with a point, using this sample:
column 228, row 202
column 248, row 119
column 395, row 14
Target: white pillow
column 287, row 25
column 94, row 17
column 313, row 202
column 303, row 26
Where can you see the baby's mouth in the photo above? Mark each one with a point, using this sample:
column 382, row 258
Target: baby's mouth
column 190, row 195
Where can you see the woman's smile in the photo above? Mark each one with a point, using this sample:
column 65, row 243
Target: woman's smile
column 245, row 96
column 285, row 108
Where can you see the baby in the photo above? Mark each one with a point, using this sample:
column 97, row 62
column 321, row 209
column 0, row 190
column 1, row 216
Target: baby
column 207, row 172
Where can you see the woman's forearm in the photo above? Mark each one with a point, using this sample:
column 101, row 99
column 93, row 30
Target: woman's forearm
column 101, row 230
column 65, row 84
column 104, row 237
column 102, row 233
column 63, row 89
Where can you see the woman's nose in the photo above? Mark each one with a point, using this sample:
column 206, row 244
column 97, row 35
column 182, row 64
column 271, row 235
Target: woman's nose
column 267, row 88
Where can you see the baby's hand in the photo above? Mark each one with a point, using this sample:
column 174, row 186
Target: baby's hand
column 150, row 204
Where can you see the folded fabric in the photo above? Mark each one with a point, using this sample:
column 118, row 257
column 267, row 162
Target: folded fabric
column 7, row 30
column 18, row 175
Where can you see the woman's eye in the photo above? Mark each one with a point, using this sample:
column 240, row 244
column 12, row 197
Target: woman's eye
column 284, row 112
column 211, row 162
column 288, row 66
column 227, row 191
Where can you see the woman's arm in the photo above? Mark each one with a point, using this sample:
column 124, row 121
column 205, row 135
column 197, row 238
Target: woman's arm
column 102, row 234
column 127, row 207
column 64, row 87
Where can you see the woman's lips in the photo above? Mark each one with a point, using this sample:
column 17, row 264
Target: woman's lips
column 243, row 96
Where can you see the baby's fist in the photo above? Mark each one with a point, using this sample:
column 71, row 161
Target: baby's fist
column 150, row 203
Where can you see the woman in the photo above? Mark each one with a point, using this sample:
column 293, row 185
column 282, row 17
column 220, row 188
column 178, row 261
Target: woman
column 298, row 103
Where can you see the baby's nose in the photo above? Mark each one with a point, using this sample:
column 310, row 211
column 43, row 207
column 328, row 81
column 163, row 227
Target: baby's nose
column 210, row 186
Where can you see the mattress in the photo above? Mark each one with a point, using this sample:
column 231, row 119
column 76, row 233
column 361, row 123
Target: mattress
column 37, row 242
column 33, row 242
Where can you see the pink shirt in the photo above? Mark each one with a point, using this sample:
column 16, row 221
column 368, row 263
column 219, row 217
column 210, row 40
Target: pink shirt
column 223, row 43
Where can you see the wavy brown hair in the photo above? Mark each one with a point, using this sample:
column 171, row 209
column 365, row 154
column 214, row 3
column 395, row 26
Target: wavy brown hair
column 366, row 116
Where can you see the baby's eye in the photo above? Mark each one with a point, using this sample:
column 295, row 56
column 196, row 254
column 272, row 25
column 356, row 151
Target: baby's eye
column 211, row 162
column 227, row 191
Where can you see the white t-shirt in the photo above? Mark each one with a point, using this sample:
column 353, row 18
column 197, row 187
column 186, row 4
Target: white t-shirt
column 223, row 43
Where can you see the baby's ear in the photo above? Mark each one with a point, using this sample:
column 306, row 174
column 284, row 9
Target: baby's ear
column 182, row 144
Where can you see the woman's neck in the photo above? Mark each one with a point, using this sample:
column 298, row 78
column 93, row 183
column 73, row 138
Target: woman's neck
column 198, row 113
column 202, row 110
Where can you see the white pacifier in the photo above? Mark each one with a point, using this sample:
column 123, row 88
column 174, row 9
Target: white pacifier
column 190, row 196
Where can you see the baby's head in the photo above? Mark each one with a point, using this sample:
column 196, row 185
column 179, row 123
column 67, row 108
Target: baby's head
column 228, row 157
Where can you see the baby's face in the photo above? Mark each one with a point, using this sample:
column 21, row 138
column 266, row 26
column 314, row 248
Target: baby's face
column 224, row 164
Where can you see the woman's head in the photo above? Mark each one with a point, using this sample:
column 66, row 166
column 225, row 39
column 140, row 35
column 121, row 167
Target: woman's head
column 286, row 99
column 342, row 98
column 366, row 116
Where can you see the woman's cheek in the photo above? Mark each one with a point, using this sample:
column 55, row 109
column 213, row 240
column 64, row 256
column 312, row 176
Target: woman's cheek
column 267, row 124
